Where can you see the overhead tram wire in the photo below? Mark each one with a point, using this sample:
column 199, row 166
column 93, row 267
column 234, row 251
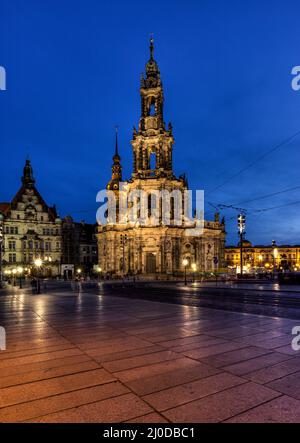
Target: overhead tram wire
column 270, row 195
column 257, row 211
column 279, row 206
column 261, row 197
column 270, row 151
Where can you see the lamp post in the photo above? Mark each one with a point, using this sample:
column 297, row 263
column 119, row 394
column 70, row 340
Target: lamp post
column 275, row 255
column 14, row 271
column 123, row 245
column 8, row 273
column 194, row 268
column 185, row 263
column 260, row 259
column 99, row 270
column 241, row 231
column 20, row 272
column 1, row 248
column 38, row 263
column 48, row 259
column 78, row 272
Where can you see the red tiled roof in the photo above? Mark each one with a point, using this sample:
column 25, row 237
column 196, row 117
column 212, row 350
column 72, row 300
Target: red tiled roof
column 4, row 208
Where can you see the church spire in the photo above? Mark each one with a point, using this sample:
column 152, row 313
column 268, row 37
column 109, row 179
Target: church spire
column 116, row 169
column 151, row 47
column 27, row 178
column 152, row 70
column 116, row 147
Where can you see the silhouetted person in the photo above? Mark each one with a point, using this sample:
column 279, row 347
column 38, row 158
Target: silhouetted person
column 34, row 286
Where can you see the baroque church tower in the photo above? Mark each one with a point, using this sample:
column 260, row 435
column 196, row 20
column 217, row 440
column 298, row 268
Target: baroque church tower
column 152, row 143
column 132, row 248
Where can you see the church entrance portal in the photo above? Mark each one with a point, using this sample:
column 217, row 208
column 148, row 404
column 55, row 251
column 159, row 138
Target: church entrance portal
column 150, row 263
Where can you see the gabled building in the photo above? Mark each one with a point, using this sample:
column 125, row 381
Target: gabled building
column 31, row 230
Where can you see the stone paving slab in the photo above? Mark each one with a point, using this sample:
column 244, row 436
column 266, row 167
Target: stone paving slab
column 289, row 385
column 280, row 410
column 107, row 411
column 253, row 364
column 40, row 389
column 191, row 371
column 140, row 361
column 48, row 405
column 185, row 393
column 149, row 418
column 53, row 372
column 229, row 358
column 43, row 365
column 90, row 358
column 219, row 407
column 275, row 372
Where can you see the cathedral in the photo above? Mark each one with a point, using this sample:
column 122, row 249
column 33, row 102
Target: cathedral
column 163, row 249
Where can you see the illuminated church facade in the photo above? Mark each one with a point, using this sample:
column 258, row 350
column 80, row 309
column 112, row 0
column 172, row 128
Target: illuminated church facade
column 163, row 249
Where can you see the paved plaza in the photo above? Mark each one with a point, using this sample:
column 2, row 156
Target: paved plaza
column 100, row 358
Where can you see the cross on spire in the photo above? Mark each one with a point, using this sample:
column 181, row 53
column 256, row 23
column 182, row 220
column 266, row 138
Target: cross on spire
column 151, row 46
column 116, row 148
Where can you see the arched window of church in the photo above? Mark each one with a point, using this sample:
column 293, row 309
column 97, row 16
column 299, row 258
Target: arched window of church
column 151, row 109
column 149, row 205
column 153, row 205
column 172, row 208
column 152, row 160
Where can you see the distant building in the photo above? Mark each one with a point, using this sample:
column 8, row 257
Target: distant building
column 283, row 257
column 31, row 230
column 79, row 247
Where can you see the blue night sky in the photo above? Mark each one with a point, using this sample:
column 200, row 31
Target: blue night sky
column 73, row 70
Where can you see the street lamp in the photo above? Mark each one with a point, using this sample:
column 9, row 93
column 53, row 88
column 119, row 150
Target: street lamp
column 194, row 268
column 8, row 273
column 241, row 232
column 99, row 270
column 123, row 245
column 275, row 252
column 38, row 263
column 275, row 255
column 14, row 271
column 20, row 271
column 185, row 263
column 260, row 259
